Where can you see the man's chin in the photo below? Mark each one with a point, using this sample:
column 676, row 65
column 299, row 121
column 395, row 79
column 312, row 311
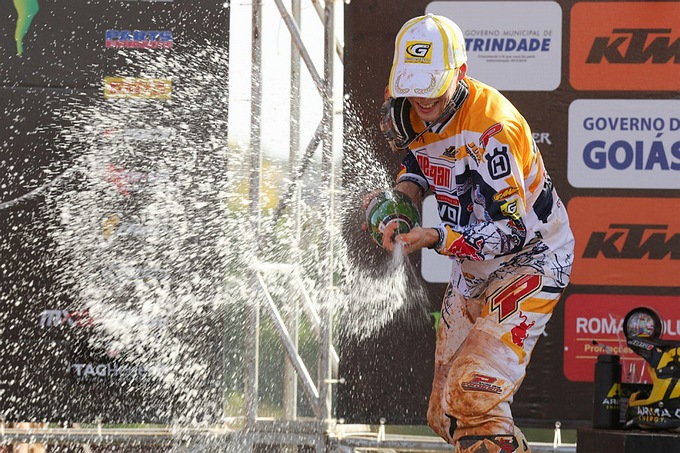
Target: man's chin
column 429, row 117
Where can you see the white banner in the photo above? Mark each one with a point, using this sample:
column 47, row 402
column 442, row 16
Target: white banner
column 624, row 144
column 510, row 45
column 435, row 268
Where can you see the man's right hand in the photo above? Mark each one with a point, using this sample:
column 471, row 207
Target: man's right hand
column 416, row 239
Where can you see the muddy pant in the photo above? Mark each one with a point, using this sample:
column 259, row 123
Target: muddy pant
column 483, row 348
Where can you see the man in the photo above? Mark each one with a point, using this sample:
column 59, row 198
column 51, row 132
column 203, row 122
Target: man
column 502, row 223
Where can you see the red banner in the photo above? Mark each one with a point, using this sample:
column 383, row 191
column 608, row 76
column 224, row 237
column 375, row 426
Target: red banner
column 593, row 326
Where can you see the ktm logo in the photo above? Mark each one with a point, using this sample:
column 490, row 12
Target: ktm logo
column 634, row 242
column 636, row 46
column 625, row 241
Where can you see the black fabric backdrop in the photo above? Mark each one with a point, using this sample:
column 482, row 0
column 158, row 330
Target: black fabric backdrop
column 64, row 63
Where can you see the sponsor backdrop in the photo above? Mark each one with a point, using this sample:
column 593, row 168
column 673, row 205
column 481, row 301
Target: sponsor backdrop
column 598, row 83
column 58, row 61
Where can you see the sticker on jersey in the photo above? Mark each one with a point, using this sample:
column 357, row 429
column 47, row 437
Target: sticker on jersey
column 418, row 52
column 490, row 132
column 505, row 193
column 475, row 153
column 461, row 247
column 478, row 198
column 509, row 209
column 451, row 153
column 448, row 208
column 499, row 163
column 482, row 383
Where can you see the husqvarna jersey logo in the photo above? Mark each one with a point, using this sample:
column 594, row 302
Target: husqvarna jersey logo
column 418, row 52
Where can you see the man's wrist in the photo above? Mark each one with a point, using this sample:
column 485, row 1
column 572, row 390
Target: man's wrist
column 441, row 237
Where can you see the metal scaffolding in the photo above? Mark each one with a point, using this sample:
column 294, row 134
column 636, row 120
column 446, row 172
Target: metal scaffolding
column 323, row 432
column 293, row 431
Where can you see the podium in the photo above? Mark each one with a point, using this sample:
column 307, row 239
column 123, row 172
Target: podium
column 589, row 440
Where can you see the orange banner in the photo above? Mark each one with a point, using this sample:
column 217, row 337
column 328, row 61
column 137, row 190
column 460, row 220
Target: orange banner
column 625, row 46
column 626, row 241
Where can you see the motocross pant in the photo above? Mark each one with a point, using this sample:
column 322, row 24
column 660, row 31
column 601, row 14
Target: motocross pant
column 484, row 345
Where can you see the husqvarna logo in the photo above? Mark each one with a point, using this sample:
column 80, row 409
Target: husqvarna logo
column 418, row 52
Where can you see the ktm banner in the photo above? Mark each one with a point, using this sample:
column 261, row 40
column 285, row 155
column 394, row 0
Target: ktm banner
column 626, row 241
column 631, row 46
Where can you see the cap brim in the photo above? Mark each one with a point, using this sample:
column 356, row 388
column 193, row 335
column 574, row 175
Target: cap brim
column 405, row 82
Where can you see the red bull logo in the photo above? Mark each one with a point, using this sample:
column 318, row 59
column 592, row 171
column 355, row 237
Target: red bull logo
column 521, row 332
column 461, row 247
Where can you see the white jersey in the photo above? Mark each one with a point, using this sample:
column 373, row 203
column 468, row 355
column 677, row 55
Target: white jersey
column 499, row 210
